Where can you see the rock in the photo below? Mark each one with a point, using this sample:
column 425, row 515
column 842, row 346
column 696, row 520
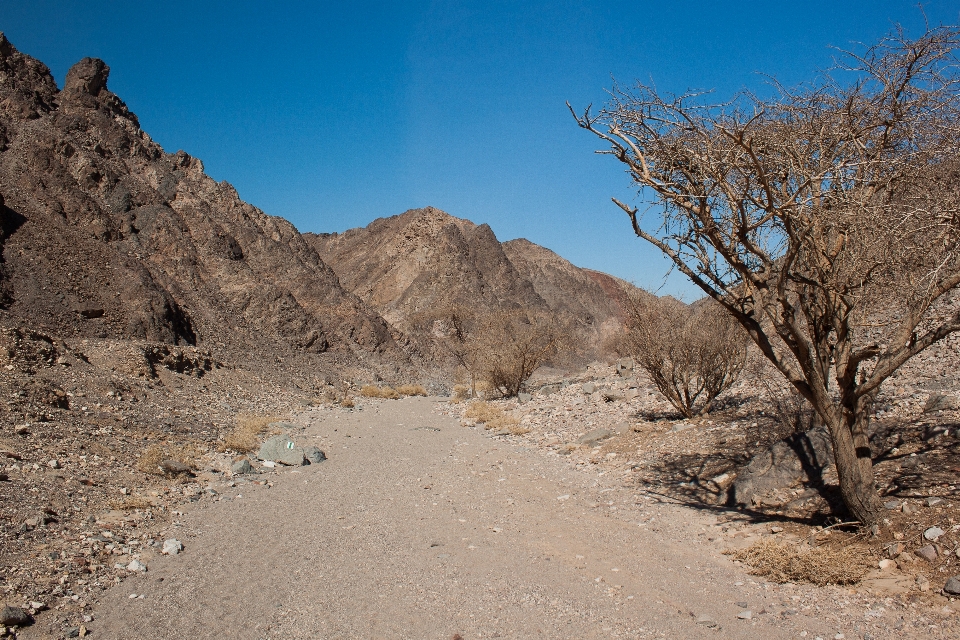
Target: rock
column 909, row 508
column 14, row 617
column 241, row 467
column 314, row 455
column 923, row 583
column 524, row 397
column 940, row 402
column 589, row 388
column 933, row 533
column 706, row 621
column 892, row 505
column 928, row 553
column 136, row 566
column 886, row 563
column 592, row 437
column 745, row 615
column 894, row 549
column 952, row 586
column 283, row 450
column 803, row 456
column 54, row 464
column 171, row 547
column 176, row 468
column 625, row 367
column 630, row 394
column 934, row 501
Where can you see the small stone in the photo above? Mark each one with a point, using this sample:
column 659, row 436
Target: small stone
column 745, row 615
column 241, row 467
column 909, row 508
column 776, row 529
column 313, row 455
column 589, row 388
column 524, row 397
column 934, row 501
column 886, row 563
column 592, row 437
column 14, row 617
column 953, row 586
column 933, row 533
column 923, row 583
column 706, row 621
column 176, row 468
column 928, row 553
column 171, row 547
column 132, row 596
column 892, row 505
column 73, row 632
column 136, row 566
column 54, row 464
column 894, row 549
column 37, row 606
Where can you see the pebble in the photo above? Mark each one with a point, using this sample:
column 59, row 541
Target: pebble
column 136, row 565
column 923, row 583
column 909, row 508
column 745, row 614
column 933, row 533
column 706, row 621
column 171, row 547
column 928, row 553
column 934, row 501
column 952, row 586
column 886, row 563
column 892, row 505
column 54, row 464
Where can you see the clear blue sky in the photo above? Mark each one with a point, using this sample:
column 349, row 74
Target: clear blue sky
column 332, row 114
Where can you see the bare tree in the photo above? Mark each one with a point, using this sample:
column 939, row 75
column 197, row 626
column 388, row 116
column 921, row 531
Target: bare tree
column 512, row 345
column 692, row 354
column 825, row 219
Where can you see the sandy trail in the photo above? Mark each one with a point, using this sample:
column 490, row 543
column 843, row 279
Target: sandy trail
column 417, row 527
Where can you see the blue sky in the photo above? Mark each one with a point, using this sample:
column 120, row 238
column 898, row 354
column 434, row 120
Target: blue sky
column 334, row 114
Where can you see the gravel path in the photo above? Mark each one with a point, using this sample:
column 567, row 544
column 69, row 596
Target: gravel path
column 417, row 527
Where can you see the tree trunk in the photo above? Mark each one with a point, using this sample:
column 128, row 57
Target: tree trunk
column 851, row 450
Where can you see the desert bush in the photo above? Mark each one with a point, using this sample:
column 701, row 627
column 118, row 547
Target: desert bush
column 411, row 390
column 151, row 459
column 493, row 418
column 692, row 353
column 347, row 402
column 818, row 565
column 372, row 391
column 460, row 393
column 511, row 345
column 245, row 437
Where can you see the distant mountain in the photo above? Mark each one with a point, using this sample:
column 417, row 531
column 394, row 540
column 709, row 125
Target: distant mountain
column 105, row 234
column 425, row 259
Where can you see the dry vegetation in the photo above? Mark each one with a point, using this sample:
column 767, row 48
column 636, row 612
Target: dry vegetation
column 152, row 460
column 246, row 435
column 493, row 418
column 822, row 565
column 373, row 391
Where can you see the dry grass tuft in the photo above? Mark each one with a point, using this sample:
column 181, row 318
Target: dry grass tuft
column 371, row 391
column 348, row 402
column 411, row 390
column 246, row 436
column 460, row 393
column 131, row 503
column 493, row 418
column 819, row 565
column 188, row 453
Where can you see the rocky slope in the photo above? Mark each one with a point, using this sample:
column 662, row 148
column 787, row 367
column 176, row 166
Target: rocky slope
column 425, row 259
column 106, row 235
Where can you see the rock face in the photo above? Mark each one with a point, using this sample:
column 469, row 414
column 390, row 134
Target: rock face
column 425, row 259
column 104, row 234
column 804, row 456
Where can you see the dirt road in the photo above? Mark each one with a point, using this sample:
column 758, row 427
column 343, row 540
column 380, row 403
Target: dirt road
column 417, row 527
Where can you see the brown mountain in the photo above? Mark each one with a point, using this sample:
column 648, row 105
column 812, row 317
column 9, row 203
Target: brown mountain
column 425, row 259
column 105, row 234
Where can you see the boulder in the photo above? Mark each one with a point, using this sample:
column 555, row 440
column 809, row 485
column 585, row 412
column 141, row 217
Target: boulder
column 314, row 455
column 283, row 450
column 941, row 402
column 801, row 457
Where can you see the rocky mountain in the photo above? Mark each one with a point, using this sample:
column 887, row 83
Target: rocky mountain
column 425, row 259
column 104, row 234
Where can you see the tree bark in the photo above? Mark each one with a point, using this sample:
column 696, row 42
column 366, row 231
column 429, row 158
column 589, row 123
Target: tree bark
column 851, row 449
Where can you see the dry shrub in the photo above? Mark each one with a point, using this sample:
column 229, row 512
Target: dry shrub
column 246, row 436
column 348, row 402
column 494, row 418
column 371, row 391
column 460, row 393
column 818, row 565
column 131, row 503
column 411, row 390
column 189, row 453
